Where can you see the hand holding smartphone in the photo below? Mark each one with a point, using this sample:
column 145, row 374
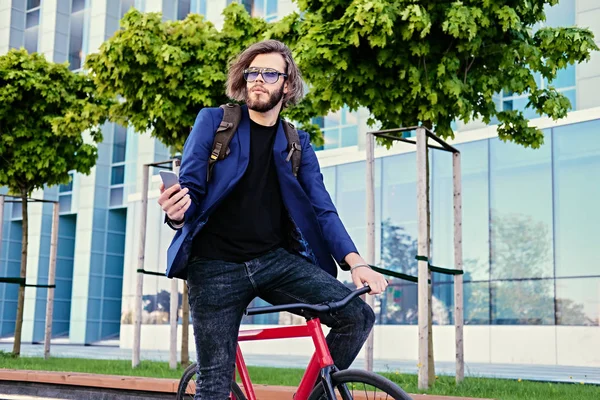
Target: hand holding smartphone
column 173, row 200
column 169, row 178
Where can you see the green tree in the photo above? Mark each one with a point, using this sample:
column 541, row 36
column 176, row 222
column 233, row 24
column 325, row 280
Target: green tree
column 434, row 62
column 164, row 72
column 44, row 110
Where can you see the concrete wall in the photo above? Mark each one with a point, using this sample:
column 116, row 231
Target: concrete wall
column 545, row 345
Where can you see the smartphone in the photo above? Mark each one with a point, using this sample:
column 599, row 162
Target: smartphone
column 169, row 178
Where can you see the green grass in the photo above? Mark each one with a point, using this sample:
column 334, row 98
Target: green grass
column 502, row 389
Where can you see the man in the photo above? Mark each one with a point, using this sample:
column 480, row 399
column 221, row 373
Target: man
column 254, row 229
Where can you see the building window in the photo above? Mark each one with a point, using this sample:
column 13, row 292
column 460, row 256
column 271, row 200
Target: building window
column 183, row 8
column 32, row 25
column 246, row 3
column 266, row 9
column 125, row 7
column 117, row 175
column 340, row 129
column 78, row 15
column 65, row 195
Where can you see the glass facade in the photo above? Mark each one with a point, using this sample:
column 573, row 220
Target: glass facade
column 10, row 266
column 340, row 129
column 106, row 274
column 529, row 229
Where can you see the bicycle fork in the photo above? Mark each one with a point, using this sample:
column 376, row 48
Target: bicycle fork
column 325, row 376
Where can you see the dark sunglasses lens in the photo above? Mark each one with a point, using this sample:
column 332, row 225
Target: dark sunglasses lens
column 270, row 76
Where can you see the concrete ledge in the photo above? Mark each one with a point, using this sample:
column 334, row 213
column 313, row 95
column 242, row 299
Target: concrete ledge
column 157, row 388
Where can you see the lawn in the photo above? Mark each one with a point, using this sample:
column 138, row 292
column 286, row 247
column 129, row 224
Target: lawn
column 501, row 389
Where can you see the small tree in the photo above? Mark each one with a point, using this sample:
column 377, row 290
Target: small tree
column 166, row 71
column 44, row 108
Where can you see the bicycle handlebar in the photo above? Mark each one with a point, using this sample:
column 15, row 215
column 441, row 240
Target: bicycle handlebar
column 318, row 308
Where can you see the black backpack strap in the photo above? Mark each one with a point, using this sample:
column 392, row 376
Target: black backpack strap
column 232, row 115
column 294, row 146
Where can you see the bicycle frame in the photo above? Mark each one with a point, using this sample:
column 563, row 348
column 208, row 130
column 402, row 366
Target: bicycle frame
column 320, row 363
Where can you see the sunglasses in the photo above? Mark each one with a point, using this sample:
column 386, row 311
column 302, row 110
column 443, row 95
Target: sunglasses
column 269, row 75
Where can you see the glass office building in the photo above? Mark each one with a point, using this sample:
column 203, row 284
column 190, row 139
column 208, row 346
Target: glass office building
column 530, row 224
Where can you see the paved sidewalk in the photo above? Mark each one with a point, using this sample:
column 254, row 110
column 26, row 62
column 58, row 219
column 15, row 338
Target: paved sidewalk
column 552, row 373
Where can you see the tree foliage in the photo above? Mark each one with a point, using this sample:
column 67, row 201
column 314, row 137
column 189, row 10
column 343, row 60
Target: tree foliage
column 165, row 71
column 434, row 62
column 44, row 109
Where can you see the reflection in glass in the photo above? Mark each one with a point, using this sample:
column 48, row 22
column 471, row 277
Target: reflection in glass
column 399, row 203
column 527, row 302
column 476, row 303
column 521, row 210
column 116, row 196
column 119, row 143
column 31, row 39
column 76, row 34
column 117, row 175
column 475, row 205
column 576, row 194
column 183, row 9
column 64, row 203
column 351, row 201
column 398, row 249
column 32, row 19
column 398, row 306
column 578, row 301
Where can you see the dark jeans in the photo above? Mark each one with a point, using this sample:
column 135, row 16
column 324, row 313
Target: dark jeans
column 219, row 292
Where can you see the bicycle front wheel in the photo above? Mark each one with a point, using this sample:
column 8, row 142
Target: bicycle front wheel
column 187, row 386
column 361, row 385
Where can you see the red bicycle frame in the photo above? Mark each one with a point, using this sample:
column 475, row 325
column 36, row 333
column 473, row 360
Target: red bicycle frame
column 320, row 359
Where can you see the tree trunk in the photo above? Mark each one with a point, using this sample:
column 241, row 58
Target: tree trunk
column 185, row 325
column 21, row 299
column 430, row 363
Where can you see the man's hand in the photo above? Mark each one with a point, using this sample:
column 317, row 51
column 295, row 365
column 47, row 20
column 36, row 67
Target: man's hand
column 375, row 280
column 174, row 201
column 362, row 275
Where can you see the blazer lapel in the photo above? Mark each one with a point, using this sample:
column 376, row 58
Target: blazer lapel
column 280, row 146
column 243, row 134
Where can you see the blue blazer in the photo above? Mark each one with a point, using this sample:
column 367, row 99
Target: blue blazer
column 316, row 231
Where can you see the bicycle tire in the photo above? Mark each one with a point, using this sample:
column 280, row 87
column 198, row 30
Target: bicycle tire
column 363, row 377
column 187, row 376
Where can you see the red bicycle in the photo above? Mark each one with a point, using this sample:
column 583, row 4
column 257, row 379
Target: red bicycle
column 334, row 384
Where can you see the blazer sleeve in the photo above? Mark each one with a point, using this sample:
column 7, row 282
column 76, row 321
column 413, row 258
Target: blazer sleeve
column 337, row 238
column 194, row 160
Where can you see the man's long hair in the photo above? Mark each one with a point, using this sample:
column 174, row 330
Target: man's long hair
column 236, row 85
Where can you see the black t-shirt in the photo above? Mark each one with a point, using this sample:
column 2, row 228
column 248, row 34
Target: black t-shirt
column 248, row 223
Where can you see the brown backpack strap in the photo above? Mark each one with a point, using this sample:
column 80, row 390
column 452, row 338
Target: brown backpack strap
column 294, row 146
column 232, row 115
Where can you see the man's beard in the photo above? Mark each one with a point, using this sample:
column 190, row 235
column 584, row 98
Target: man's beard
column 264, row 106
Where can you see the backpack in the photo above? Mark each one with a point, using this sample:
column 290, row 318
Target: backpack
column 232, row 115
